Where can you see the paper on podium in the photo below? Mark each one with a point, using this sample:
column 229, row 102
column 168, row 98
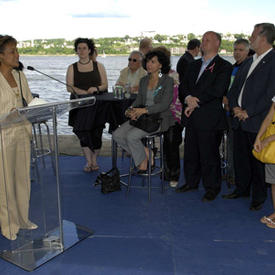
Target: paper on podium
column 37, row 101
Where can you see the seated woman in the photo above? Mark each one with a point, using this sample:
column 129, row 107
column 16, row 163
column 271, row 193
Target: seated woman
column 86, row 77
column 132, row 74
column 156, row 93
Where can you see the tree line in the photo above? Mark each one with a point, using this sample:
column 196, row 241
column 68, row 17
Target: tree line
column 116, row 45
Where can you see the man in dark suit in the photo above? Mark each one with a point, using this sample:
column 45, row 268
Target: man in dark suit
column 205, row 84
column 250, row 99
column 193, row 49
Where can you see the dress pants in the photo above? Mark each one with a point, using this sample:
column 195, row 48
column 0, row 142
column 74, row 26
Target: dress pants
column 230, row 145
column 249, row 172
column 130, row 139
column 171, row 143
column 202, row 158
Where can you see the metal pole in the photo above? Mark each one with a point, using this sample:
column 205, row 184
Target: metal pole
column 57, row 176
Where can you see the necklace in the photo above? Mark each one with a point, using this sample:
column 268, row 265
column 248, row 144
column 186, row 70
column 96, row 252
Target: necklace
column 84, row 63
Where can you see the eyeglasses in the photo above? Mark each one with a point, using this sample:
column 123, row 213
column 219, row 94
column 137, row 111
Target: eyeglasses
column 132, row 59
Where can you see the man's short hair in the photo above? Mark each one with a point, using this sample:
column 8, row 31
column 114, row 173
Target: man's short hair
column 145, row 42
column 242, row 41
column 193, row 43
column 268, row 31
column 219, row 37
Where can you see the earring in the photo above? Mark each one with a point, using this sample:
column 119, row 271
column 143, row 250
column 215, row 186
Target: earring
column 160, row 74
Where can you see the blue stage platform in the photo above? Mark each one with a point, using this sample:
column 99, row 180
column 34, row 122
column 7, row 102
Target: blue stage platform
column 173, row 234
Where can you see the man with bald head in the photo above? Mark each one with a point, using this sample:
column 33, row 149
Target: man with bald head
column 205, row 84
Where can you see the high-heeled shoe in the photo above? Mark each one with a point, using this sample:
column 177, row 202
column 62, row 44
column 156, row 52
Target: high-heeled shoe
column 10, row 236
column 9, row 233
column 141, row 171
column 30, row 226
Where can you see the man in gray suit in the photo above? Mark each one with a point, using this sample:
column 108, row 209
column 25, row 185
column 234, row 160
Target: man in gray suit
column 249, row 100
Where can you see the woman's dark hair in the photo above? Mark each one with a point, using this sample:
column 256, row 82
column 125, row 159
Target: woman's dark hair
column 89, row 42
column 4, row 40
column 163, row 59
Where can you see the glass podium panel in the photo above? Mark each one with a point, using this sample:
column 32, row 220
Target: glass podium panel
column 33, row 230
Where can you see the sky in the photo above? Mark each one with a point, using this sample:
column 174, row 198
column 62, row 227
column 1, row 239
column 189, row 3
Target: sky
column 38, row 19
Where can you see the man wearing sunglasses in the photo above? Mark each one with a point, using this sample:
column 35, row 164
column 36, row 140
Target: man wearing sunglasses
column 131, row 75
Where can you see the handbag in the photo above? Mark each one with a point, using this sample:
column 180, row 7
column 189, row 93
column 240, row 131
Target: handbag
column 147, row 123
column 267, row 154
column 110, row 181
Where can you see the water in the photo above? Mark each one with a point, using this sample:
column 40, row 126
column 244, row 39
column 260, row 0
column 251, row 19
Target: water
column 56, row 66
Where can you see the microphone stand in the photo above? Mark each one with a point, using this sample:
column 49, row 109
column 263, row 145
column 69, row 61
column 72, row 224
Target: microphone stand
column 73, row 91
column 33, row 69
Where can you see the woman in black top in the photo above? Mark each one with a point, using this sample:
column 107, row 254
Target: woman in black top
column 87, row 77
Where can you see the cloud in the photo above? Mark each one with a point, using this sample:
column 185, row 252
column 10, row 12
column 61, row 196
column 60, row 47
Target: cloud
column 100, row 15
column 34, row 19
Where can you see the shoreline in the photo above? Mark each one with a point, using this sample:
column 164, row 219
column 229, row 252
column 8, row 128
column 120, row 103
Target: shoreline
column 107, row 55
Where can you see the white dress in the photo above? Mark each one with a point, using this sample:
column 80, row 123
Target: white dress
column 14, row 160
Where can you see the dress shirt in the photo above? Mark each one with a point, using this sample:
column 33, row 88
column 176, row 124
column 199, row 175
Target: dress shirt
column 204, row 65
column 256, row 61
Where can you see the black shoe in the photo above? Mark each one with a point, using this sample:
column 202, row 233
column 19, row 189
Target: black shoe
column 234, row 195
column 141, row 172
column 209, row 196
column 185, row 188
column 256, row 206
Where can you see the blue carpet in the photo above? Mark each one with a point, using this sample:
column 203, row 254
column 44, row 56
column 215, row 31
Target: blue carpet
column 172, row 234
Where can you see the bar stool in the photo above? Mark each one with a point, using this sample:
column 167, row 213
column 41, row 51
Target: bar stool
column 159, row 170
column 38, row 150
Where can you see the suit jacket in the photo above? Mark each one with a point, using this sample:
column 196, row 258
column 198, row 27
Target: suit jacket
column 257, row 94
column 162, row 100
column 209, row 89
column 183, row 63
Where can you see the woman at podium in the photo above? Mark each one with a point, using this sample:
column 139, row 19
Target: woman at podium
column 14, row 144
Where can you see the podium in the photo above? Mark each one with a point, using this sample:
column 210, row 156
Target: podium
column 32, row 225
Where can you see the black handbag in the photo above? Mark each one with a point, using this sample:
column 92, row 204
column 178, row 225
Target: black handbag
column 147, row 123
column 110, row 181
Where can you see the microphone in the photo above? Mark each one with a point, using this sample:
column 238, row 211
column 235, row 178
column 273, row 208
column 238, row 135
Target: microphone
column 33, row 69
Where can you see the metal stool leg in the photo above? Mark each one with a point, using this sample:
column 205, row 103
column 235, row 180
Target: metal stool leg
column 130, row 175
column 150, row 145
column 161, row 164
column 38, row 144
column 50, row 145
column 41, row 145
